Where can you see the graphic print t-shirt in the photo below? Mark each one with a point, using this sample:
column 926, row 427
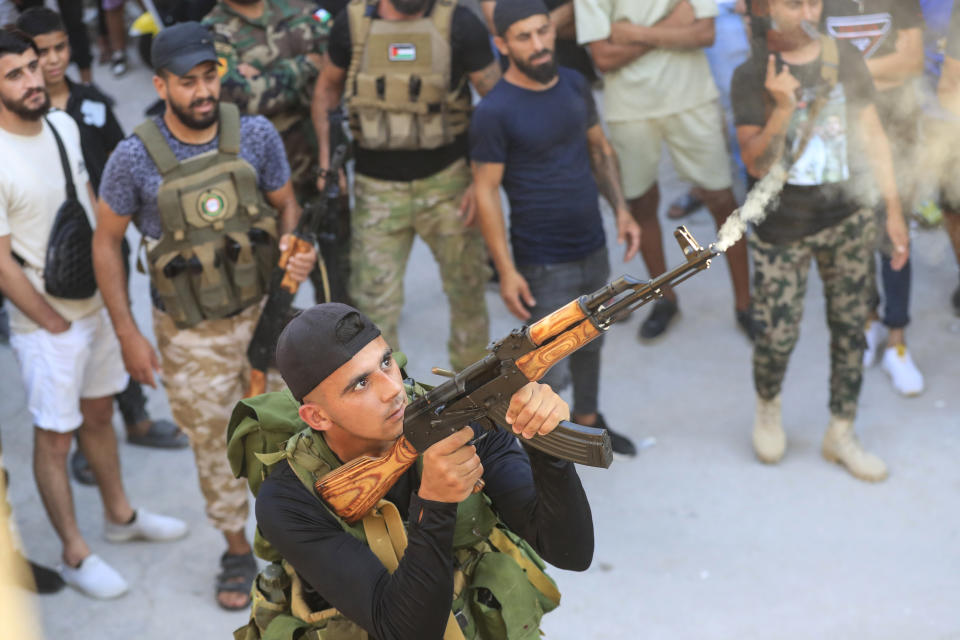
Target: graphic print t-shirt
column 872, row 26
column 824, row 183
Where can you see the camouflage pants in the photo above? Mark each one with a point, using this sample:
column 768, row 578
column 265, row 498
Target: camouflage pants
column 205, row 373
column 386, row 217
column 842, row 253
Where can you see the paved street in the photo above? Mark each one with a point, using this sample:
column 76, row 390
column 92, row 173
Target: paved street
column 695, row 538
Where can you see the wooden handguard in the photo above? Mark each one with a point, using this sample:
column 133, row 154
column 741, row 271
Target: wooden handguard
column 299, row 245
column 356, row 487
column 556, row 322
column 535, row 364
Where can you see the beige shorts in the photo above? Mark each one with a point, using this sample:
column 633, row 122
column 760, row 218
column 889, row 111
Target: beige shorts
column 694, row 138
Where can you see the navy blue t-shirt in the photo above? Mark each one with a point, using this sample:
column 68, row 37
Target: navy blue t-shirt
column 541, row 139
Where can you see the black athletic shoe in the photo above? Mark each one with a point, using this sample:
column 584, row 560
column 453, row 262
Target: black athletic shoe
column 80, row 468
column 656, row 323
column 747, row 324
column 619, row 443
column 46, row 579
column 956, row 301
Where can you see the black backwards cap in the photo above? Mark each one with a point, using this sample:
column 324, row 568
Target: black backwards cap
column 180, row 47
column 319, row 341
column 509, row 11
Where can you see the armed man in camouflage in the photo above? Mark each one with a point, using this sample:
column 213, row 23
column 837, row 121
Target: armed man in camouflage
column 821, row 215
column 270, row 54
column 402, row 67
column 210, row 192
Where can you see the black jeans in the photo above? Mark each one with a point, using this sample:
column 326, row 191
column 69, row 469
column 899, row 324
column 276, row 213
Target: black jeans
column 554, row 285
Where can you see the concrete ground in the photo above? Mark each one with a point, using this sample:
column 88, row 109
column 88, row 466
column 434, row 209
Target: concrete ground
column 695, row 538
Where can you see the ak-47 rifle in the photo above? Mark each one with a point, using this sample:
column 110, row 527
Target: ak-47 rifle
column 333, row 227
column 481, row 392
column 283, row 288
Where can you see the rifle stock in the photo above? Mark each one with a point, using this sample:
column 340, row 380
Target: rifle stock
column 356, row 487
column 482, row 391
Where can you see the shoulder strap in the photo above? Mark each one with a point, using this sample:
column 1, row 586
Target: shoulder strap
column 359, row 20
column 387, row 538
column 229, row 129
column 157, row 146
column 64, row 162
column 442, row 16
column 829, row 61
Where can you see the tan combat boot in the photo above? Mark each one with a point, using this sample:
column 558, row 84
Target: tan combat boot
column 841, row 445
column 769, row 440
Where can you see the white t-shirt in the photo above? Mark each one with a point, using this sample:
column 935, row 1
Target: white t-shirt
column 32, row 188
column 661, row 82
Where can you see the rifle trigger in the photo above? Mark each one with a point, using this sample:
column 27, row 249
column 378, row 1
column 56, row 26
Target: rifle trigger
column 480, row 437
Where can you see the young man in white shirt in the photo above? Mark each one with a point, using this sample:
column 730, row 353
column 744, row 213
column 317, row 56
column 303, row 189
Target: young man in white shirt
column 69, row 357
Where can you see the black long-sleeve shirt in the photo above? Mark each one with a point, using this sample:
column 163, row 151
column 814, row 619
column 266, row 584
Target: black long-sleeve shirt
column 537, row 496
column 100, row 131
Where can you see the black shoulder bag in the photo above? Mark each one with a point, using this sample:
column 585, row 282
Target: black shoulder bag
column 68, row 266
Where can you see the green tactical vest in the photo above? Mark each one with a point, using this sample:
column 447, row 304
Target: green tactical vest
column 500, row 589
column 219, row 241
column 398, row 85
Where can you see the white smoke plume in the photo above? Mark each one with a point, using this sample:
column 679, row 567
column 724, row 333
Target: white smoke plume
column 754, row 208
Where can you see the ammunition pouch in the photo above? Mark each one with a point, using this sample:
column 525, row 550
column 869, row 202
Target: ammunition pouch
column 398, row 95
column 219, row 241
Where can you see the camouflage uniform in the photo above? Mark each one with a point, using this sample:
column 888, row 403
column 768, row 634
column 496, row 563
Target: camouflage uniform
column 276, row 44
column 843, row 253
column 205, row 370
column 386, row 217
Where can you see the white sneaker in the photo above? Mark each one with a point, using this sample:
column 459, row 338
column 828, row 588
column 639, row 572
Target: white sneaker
column 874, row 336
column 905, row 376
column 94, row 578
column 146, row 526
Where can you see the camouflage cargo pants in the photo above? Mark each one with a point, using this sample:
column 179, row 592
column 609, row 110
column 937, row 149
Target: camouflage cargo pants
column 205, row 373
column 842, row 253
column 386, row 217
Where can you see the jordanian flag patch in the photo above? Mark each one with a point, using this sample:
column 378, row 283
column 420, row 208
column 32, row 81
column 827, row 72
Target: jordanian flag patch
column 402, row 53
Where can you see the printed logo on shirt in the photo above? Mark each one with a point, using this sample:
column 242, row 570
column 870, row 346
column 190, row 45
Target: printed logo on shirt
column 867, row 32
column 402, row 52
column 94, row 113
column 211, row 204
column 824, row 160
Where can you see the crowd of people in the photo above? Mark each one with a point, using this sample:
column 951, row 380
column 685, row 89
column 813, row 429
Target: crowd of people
column 849, row 110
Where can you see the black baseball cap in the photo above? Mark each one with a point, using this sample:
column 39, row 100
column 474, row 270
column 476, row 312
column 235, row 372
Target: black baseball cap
column 180, row 47
column 318, row 341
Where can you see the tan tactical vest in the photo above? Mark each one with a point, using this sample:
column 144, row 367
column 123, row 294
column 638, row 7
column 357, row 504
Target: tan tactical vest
column 398, row 84
column 219, row 242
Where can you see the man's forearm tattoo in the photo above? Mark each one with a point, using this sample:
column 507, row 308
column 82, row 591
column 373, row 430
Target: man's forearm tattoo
column 606, row 171
column 486, row 78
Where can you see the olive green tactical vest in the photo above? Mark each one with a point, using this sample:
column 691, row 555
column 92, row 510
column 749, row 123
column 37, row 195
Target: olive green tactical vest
column 500, row 589
column 219, row 241
column 398, row 84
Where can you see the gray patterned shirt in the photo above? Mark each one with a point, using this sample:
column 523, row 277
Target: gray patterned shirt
column 130, row 180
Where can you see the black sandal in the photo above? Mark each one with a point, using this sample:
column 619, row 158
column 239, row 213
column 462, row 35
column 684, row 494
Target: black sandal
column 233, row 567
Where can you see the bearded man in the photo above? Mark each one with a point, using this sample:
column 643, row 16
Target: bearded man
column 210, row 191
column 538, row 134
column 69, row 358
